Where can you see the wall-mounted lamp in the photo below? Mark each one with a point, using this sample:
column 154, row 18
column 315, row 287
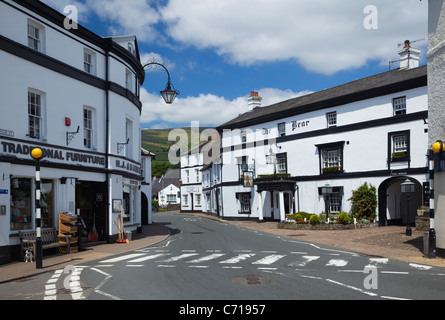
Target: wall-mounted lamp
column 70, row 135
column 121, row 145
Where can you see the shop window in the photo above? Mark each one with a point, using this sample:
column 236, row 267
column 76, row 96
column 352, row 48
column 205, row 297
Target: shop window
column 186, row 199
column 46, row 203
column 21, row 204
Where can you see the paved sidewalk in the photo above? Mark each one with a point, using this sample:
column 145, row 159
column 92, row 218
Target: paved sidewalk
column 151, row 234
column 389, row 242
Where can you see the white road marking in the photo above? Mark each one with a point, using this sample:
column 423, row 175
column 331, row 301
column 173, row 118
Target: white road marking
column 420, row 266
column 238, row 258
column 207, row 258
column 337, row 263
column 307, row 259
column 121, row 258
column 182, row 256
column 269, row 259
column 353, row 288
column 147, row 258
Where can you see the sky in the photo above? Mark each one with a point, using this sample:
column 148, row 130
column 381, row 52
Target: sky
column 218, row 51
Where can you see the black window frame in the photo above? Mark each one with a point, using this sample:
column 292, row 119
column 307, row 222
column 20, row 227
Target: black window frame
column 396, row 156
column 329, row 147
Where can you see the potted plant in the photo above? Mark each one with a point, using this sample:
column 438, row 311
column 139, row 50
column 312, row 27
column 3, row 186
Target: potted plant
column 421, row 211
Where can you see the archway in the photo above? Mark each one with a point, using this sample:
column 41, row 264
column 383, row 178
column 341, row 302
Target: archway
column 393, row 206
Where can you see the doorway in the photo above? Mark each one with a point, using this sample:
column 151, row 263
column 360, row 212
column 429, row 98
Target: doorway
column 91, row 204
column 395, row 208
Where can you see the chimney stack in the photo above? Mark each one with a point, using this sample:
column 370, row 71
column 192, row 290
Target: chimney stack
column 254, row 100
column 409, row 56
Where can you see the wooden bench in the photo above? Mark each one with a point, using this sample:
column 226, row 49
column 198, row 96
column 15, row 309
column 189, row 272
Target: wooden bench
column 50, row 239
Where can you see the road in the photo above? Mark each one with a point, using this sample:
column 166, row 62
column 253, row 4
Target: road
column 206, row 260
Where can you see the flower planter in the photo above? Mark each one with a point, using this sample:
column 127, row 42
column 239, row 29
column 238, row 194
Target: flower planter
column 335, row 226
column 420, row 213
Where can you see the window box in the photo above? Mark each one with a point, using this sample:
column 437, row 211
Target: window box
column 332, row 169
column 399, row 156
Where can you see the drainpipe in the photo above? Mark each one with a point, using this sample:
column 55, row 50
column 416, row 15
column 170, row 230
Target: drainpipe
column 107, row 140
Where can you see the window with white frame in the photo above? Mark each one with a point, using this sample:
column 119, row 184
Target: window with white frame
column 399, row 106
column 335, row 201
column 35, row 101
column 187, row 176
column 198, row 199
column 244, row 203
column 87, row 128
column 197, row 175
column 171, row 198
column 331, row 118
column 399, row 146
column 331, row 157
column 129, row 80
column 129, row 138
column 282, row 163
column 282, row 129
column 35, row 36
column 89, row 61
column 185, row 199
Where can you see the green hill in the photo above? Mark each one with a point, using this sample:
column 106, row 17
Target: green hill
column 156, row 141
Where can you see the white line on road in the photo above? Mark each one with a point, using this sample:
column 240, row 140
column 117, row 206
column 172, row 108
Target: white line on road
column 353, row 288
column 269, row 259
column 126, row 257
column 182, row 256
column 238, row 258
column 337, row 263
column 207, row 258
column 147, row 258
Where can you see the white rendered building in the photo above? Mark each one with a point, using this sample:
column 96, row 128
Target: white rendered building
column 75, row 95
column 192, row 163
column 276, row 159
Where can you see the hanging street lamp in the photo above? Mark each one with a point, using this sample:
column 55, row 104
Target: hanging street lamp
column 169, row 93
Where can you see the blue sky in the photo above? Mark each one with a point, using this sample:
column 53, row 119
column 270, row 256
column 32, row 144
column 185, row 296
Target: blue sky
column 218, row 51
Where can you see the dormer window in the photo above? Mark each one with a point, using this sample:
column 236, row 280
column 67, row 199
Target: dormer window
column 131, row 48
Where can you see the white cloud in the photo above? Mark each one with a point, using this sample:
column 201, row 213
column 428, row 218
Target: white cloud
column 207, row 109
column 136, row 17
column 325, row 36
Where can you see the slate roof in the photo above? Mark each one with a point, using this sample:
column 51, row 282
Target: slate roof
column 377, row 85
column 172, row 176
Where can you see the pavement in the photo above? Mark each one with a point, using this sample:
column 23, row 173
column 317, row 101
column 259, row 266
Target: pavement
column 386, row 242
